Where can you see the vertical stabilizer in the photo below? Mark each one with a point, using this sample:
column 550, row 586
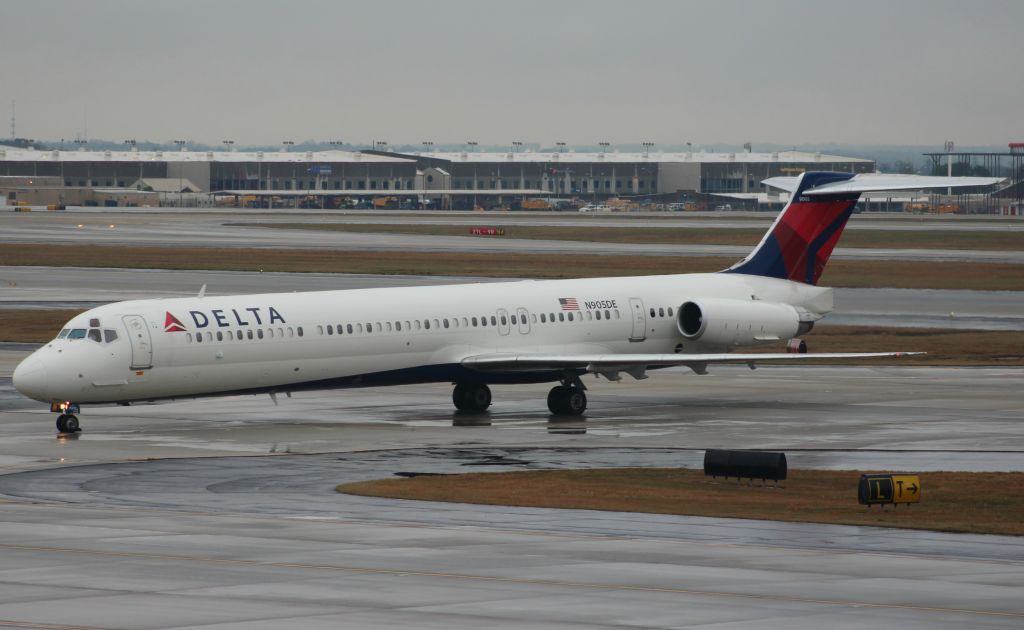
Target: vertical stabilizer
column 799, row 243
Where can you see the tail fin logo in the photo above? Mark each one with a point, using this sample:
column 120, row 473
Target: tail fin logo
column 173, row 324
column 801, row 240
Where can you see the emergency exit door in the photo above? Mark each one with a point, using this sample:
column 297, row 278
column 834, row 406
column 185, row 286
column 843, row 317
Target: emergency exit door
column 636, row 306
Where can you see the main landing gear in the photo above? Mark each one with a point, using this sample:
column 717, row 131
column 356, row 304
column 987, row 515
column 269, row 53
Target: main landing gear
column 475, row 397
column 567, row 399
column 67, row 421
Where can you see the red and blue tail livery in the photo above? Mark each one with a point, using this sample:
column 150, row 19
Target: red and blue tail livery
column 803, row 236
column 801, row 240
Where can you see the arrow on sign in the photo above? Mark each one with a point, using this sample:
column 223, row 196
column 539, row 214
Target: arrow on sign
column 912, row 488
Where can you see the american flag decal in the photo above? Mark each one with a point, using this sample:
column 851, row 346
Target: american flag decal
column 569, row 304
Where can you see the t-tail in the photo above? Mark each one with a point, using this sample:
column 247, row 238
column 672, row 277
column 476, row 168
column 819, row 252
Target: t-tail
column 803, row 236
column 800, row 242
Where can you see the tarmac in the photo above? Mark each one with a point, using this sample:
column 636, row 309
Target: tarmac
column 223, row 513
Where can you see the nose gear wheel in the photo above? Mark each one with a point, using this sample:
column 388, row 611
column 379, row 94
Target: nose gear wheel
column 68, row 423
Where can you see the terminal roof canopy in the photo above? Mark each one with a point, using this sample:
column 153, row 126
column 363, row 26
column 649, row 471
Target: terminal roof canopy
column 800, row 157
column 377, row 157
column 29, row 155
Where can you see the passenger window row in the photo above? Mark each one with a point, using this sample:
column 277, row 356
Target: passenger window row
column 413, row 325
column 246, row 335
column 569, row 316
column 661, row 312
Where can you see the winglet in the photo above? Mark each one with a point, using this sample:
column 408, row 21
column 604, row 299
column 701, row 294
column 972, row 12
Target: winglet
column 202, row 291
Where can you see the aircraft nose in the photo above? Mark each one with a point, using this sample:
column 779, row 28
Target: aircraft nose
column 30, row 377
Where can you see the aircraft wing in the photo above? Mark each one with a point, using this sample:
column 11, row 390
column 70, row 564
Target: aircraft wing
column 637, row 364
column 877, row 182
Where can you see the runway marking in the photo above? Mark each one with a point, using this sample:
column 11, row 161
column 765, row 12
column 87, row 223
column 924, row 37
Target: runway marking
column 7, row 623
column 509, row 580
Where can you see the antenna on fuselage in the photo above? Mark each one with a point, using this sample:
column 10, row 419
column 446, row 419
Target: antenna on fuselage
column 202, row 291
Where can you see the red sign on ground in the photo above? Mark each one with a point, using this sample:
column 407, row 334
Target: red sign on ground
column 487, row 231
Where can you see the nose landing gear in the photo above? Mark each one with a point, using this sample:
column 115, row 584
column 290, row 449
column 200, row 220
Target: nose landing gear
column 67, row 421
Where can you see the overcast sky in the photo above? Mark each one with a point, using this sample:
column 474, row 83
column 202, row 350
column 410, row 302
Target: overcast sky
column 580, row 71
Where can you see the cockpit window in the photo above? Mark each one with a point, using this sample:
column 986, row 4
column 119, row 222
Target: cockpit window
column 94, row 335
column 63, row 333
column 109, row 335
column 77, row 333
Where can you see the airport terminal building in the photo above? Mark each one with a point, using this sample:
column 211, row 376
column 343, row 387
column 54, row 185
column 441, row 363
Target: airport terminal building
column 459, row 179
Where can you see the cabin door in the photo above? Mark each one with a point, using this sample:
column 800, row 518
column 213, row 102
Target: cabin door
column 142, row 345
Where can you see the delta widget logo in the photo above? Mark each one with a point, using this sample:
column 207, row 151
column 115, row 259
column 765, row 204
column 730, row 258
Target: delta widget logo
column 173, row 324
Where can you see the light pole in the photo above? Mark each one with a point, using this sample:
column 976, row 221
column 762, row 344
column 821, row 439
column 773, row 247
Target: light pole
column 286, row 144
column 604, row 146
column 427, row 146
column 517, row 146
column 647, row 148
column 131, row 143
column 228, row 146
column 561, row 146
column 339, row 144
column 472, row 143
column 181, row 147
column 81, row 142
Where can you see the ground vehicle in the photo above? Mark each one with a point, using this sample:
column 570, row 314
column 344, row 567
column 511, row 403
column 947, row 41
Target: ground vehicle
column 535, row 204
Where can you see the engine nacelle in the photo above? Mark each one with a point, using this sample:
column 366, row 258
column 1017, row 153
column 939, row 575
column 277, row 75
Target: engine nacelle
column 728, row 322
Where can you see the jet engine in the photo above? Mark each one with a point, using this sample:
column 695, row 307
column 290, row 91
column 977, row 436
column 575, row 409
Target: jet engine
column 729, row 322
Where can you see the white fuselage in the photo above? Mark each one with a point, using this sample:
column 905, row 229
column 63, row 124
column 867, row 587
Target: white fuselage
column 290, row 341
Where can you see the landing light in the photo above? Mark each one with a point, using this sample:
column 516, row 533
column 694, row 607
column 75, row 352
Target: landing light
column 80, row 226
column 64, row 407
column 111, row 226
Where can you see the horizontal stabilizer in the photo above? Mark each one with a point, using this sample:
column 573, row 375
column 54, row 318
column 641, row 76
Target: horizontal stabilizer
column 877, row 182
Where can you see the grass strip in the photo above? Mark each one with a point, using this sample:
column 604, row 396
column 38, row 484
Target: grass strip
column 977, row 503
column 696, row 235
column 839, row 273
column 33, row 325
column 944, row 347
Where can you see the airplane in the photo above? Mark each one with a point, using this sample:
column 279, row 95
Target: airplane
column 471, row 335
